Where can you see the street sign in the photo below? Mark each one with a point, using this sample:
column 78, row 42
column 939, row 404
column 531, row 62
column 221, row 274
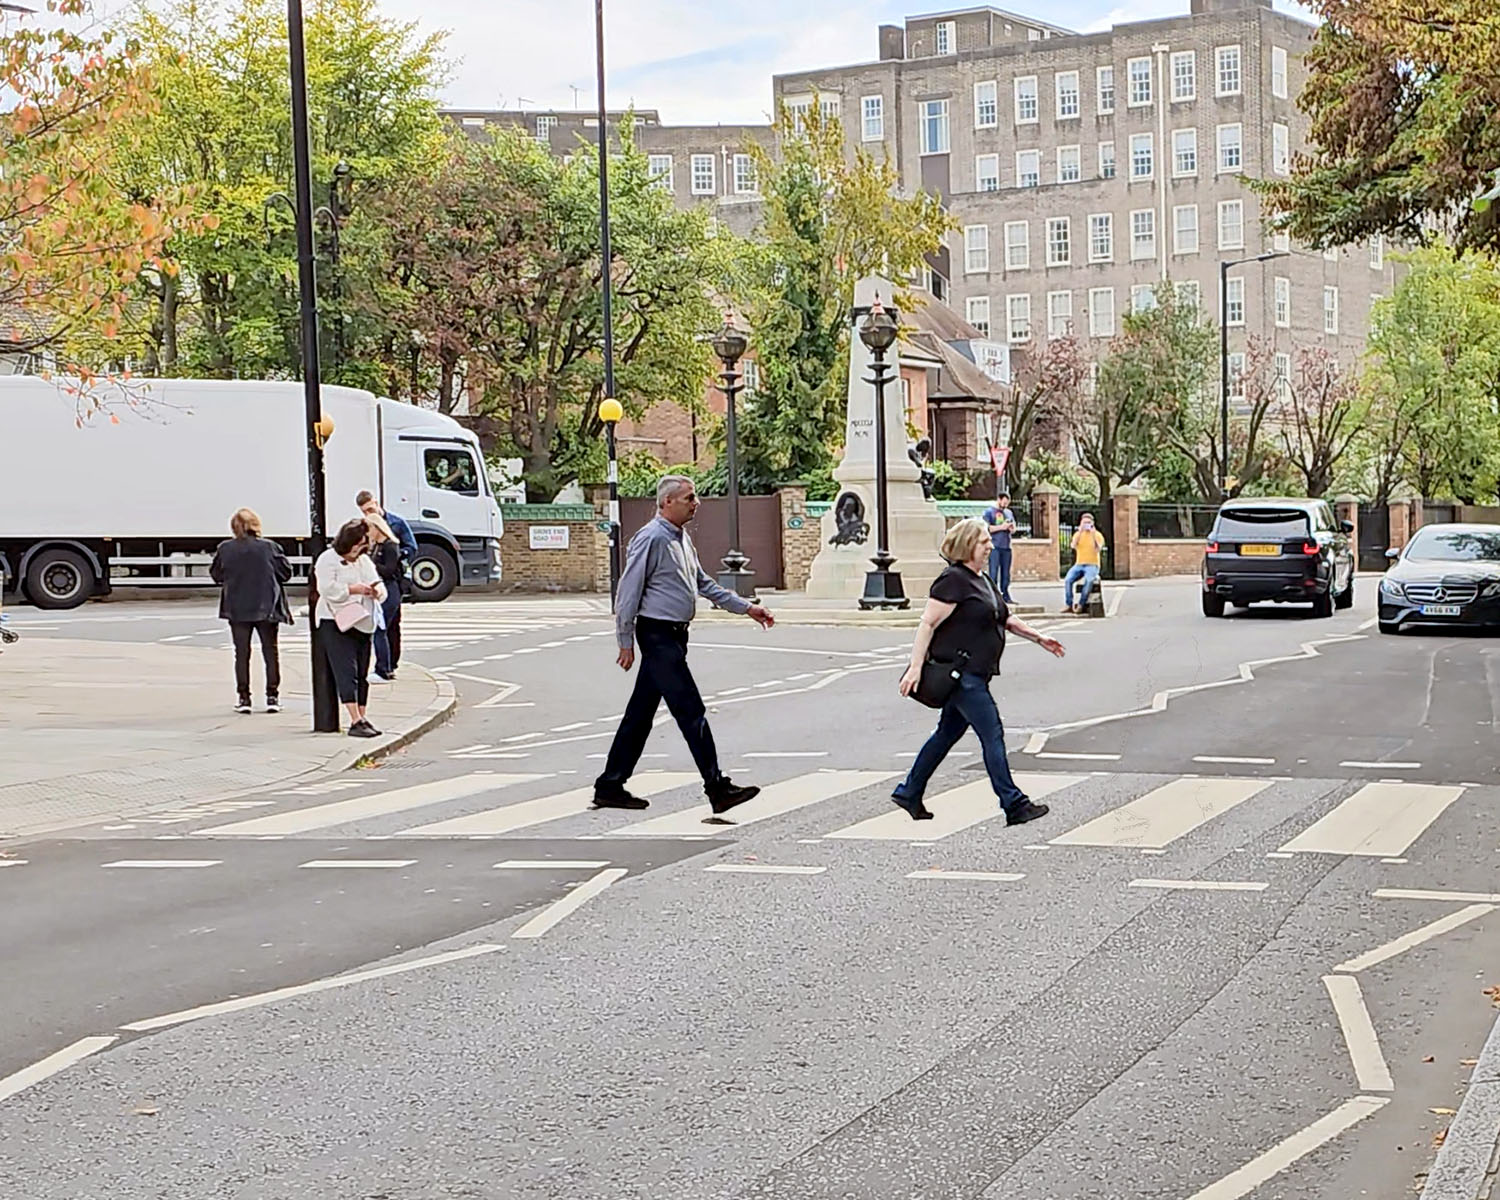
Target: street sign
column 549, row 537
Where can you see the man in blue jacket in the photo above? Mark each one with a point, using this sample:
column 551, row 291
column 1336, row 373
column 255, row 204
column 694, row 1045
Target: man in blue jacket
column 1002, row 523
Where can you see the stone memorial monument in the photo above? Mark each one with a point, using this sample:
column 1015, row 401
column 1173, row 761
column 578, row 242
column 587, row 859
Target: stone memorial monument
column 848, row 528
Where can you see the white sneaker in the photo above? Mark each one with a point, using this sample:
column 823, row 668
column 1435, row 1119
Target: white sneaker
column 273, row 705
column 243, row 706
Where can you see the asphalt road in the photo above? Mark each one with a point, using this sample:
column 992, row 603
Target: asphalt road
column 1130, row 998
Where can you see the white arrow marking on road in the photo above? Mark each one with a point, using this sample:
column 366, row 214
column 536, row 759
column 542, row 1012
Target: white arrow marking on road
column 1416, row 937
column 570, row 903
column 1359, row 1033
column 52, row 1064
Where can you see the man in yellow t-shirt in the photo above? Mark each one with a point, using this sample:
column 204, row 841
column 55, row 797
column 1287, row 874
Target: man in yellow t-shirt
column 1088, row 544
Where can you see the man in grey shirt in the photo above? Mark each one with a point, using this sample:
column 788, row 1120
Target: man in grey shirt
column 656, row 599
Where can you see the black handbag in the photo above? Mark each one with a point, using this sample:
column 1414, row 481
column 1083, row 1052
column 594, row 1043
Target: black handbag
column 937, row 680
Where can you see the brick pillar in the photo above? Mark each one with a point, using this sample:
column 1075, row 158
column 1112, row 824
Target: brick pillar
column 1126, row 505
column 1400, row 528
column 1346, row 508
column 1418, row 516
column 1046, row 523
column 798, row 547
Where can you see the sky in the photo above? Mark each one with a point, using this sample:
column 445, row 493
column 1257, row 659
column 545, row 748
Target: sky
column 696, row 63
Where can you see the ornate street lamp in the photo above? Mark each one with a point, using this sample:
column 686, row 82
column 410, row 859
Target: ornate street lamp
column 882, row 585
column 730, row 345
column 610, row 412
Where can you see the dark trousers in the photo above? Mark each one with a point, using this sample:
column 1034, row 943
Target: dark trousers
column 1000, row 557
column 970, row 706
column 662, row 674
column 388, row 640
column 348, row 655
column 240, row 632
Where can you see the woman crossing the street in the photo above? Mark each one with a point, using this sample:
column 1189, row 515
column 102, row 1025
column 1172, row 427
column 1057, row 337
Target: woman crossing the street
column 953, row 657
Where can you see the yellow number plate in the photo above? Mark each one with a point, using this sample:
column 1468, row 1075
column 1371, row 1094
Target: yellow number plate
column 1260, row 550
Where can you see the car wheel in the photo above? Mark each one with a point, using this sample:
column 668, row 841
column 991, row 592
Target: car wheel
column 434, row 574
column 1390, row 627
column 1323, row 604
column 1345, row 599
column 1213, row 606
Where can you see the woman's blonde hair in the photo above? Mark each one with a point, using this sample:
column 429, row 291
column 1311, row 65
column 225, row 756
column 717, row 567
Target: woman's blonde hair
column 959, row 545
column 245, row 522
column 379, row 525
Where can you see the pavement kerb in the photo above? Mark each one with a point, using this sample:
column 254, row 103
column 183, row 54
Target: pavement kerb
column 1464, row 1163
column 439, row 711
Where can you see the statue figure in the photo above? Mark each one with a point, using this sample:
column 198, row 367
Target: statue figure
column 921, row 454
column 849, row 514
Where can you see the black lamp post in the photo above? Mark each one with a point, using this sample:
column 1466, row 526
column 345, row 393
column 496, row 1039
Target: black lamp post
column 730, row 345
column 1224, row 360
column 882, row 585
column 610, row 412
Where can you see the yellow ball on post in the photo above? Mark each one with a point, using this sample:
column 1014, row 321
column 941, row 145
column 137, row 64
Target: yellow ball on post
column 610, row 410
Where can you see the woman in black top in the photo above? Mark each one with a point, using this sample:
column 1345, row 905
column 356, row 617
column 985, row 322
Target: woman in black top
column 385, row 553
column 965, row 621
column 253, row 573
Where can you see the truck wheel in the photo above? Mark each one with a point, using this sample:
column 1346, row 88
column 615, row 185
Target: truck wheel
column 1213, row 605
column 434, row 574
column 59, row 578
column 1345, row 599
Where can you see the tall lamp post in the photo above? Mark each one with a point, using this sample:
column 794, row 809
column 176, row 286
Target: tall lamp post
column 610, row 412
column 324, row 699
column 730, row 345
column 1224, row 266
column 882, row 585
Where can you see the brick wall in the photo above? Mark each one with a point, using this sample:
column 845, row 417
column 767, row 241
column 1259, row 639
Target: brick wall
column 799, row 537
column 582, row 567
column 1151, row 557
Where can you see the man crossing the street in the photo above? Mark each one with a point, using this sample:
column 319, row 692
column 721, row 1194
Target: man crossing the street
column 656, row 600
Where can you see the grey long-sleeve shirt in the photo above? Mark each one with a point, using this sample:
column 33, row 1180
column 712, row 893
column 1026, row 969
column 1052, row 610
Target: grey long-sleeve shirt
column 663, row 579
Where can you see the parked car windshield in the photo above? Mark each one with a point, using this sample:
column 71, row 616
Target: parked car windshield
column 1455, row 545
column 1261, row 524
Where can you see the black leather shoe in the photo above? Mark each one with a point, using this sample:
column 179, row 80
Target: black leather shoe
column 1026, row 811
column 730, row 795
column 620, row 799
column 917, row 810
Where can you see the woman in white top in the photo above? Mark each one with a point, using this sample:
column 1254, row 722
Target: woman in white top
column 349, row 589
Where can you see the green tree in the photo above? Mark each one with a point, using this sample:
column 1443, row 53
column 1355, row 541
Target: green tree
column 1047, row 381
column 1318, row 413
column 832, row 216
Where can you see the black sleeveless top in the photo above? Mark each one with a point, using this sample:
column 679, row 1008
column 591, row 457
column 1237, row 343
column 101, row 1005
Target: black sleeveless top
column 976, row 625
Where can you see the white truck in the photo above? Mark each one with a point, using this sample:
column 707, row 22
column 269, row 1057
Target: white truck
column 139, row 492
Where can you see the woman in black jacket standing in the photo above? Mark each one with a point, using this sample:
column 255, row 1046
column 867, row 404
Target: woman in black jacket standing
column 385, row 553
column 253, row 573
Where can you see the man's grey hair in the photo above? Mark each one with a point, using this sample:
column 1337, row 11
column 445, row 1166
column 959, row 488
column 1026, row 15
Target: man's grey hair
column 668, row 486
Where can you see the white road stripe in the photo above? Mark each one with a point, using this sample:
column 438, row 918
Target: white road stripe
column 342, row 812
column 987, row 876
column 1080, row 757
column 21, row 862
column 774, row 800
column 61, row 1060
column 1416, row 937
column 1165, row 814
column 496, row 821
column 954, row 810
column 1201, row 885
column 357, row 863
column 786, row 754
column 1428, row 894
column 1240, row 1183
column 569, row 904
column 165, row 863
column 240, row 1003
column 550, row 864
column 762, row 869
column 1394, row 766
column 1381, row 820
column 1233, row 761
column 570, row 728
column 1359, row 1033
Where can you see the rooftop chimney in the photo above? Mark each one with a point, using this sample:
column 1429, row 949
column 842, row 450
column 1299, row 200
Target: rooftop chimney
column 893, row 42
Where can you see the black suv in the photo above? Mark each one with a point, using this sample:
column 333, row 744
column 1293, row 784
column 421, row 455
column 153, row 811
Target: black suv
column 1280, row 550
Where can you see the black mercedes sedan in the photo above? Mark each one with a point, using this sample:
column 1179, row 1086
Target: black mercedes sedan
column 1446, row 575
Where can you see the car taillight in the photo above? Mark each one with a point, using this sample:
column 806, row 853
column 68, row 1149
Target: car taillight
column 1213, row 547
column 1310, row 547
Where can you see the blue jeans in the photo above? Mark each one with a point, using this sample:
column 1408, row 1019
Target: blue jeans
column 970, row 706
column 1000, row 570
column 1087, row 572
column 388, row 640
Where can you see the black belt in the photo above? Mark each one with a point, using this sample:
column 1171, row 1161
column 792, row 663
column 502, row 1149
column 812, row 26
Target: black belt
column 658, row 623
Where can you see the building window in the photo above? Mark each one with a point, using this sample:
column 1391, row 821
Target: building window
column 1068, row 102
column 1027, row 111
column 1101, row 312
column 1377, row 253
column 1138, row 70
column 1028, row 168
column 1282, row 302
column 1104, row 89
column 1231, row 224
column 1069, row 164
column 1278, row 72
column 986, row 105
column 1281, row 149
column 829, row 108
column 1185, row 229
column 1106, row 160
column 544, row 127
column 934, row 115
column 1228, row 76
column 1142, row 297
column 987, row 173
column 976, row 249
column 977, row 311
column 1017, row 245
column 1018, row 318
column 1141, row 155
column 1184, row 152
column 1184, row 76
column 944, row 39
column 746, row 181
column 1059, row 314
column 1281, row 243
column 1189, row 295
column 1101, row 237
column 1143, row 233
column 1282, row 374
column 703, row 175
column 1234, row 300
column 659, row 166
column 1236, row 376
column 873, row 108
column 1231, row 155
column 1059, row 241
column 797, row 108
column 1330, row 310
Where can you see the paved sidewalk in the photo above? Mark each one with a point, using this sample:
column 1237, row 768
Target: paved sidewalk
column 1468, row 1164
column 94, row 730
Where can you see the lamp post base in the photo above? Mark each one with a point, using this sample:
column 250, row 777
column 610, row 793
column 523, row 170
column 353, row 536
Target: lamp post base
column 737, row 576
column 883, row 590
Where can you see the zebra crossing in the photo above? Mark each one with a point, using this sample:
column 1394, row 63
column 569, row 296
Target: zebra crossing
column 1091, row 812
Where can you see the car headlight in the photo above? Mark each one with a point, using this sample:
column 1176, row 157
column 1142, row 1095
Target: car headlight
column 1392, row 587
column 1491, row 589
